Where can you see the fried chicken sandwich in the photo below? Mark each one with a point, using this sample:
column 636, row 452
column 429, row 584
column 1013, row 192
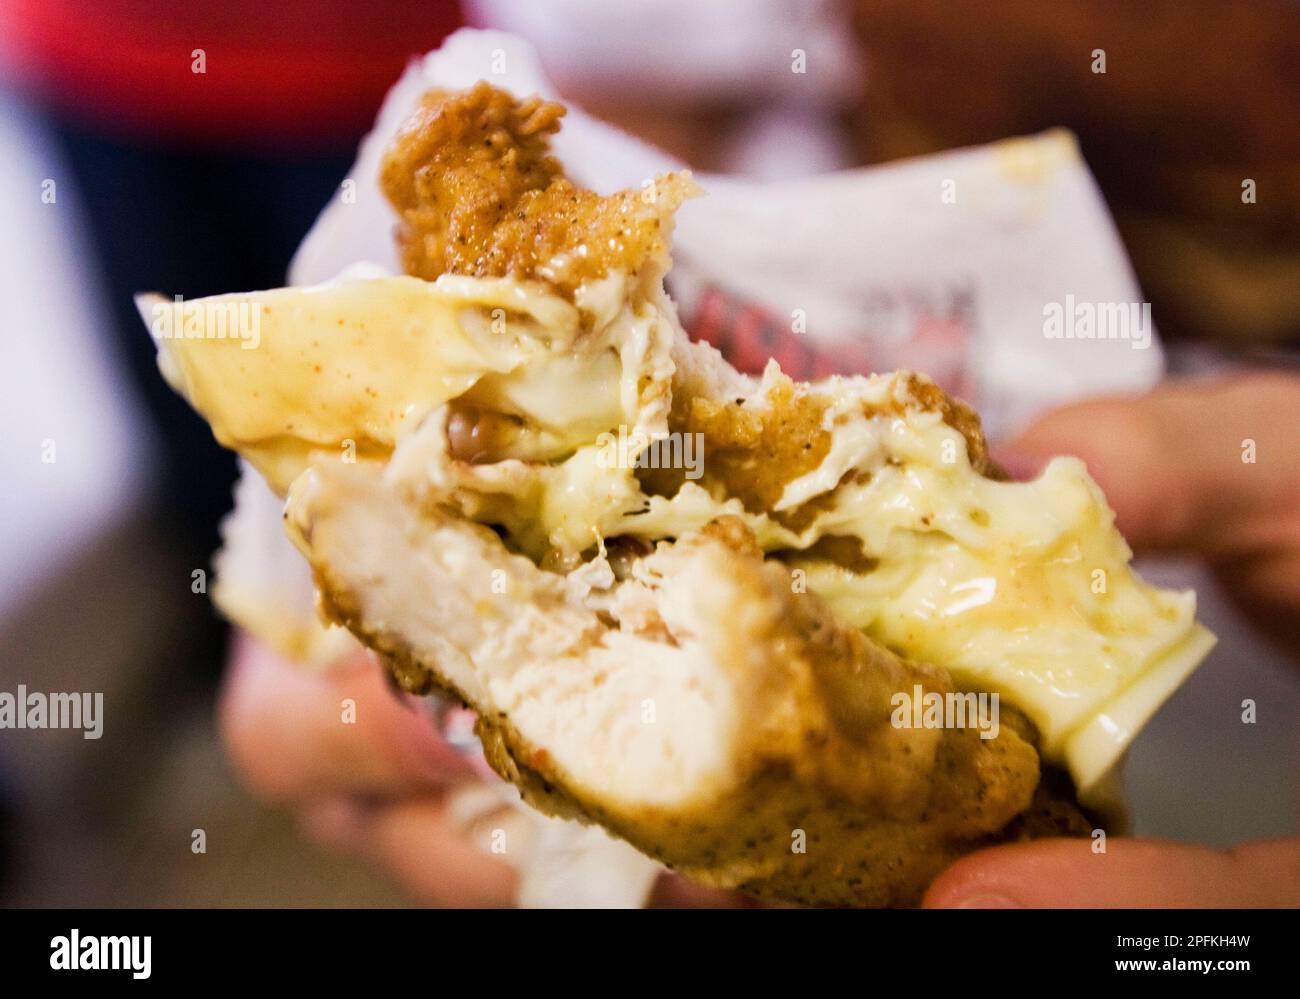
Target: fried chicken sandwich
column 728, row 618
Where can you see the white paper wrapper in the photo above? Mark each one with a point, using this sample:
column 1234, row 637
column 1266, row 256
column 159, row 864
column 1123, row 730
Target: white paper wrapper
column 944, row 264
column 733, row 50
column 265, row 585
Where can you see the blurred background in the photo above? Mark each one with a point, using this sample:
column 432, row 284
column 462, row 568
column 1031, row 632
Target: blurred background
column 123, row 168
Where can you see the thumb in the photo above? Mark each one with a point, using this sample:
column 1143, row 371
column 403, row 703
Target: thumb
column 1203, row 467
column 1132, row 873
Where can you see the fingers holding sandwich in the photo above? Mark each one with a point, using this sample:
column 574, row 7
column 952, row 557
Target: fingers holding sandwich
column 369, row 776
column 1063, row 873
column 1200, row 467
column 382, row 787
column 1194, row 465
column 298, row 736
column 422, row 846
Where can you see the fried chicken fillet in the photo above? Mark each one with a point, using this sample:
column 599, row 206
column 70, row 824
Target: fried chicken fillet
column 704, row 657
column 479, row 194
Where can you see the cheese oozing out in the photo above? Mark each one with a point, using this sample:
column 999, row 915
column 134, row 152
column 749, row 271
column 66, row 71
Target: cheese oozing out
column 1023, row 589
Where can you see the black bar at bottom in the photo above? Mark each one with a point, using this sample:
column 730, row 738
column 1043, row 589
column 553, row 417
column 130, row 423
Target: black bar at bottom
column 335, row 948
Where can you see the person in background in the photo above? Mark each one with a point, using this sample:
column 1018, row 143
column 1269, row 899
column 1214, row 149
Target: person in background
column 191, row 146
column 1185, row 111
column 191, row 191
column 202, row 140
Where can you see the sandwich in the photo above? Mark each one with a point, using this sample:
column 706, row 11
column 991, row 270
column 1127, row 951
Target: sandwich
column 797, row 639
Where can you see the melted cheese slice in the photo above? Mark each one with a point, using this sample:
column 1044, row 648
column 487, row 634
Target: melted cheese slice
column 348, row 366
column 1023, row 589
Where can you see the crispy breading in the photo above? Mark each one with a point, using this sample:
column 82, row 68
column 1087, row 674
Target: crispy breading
column 479, row 193
column 828, row 802
column 753, row 451
column 825, row 800
column 756, row 451
column 957, row 414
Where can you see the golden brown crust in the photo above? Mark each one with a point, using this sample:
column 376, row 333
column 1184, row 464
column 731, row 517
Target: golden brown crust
column 754, row 453
column 956, row 414
column 835, row 805
column 478, row 193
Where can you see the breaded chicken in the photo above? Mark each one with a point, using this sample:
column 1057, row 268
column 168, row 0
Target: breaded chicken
column 703, row 648
column 706, row 713
column 478, row 193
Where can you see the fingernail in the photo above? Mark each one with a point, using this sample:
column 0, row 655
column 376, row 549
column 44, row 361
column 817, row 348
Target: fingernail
column 988, row 902
column 1022, row 466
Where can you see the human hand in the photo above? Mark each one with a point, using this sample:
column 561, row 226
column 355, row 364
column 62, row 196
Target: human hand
column 1132, row 873
column 1171, row 465
column 377, row 787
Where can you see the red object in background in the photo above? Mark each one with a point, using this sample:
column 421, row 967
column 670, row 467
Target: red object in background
column 288, row 71
column 748, row 336
column 937, row 342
